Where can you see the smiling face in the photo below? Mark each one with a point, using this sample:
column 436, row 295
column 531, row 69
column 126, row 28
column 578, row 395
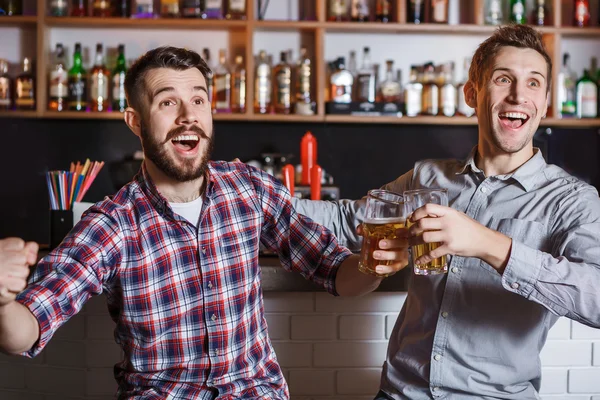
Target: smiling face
column 176, row 126
column 511, row 100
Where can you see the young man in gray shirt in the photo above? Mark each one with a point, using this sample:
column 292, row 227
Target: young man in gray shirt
column 522, row 236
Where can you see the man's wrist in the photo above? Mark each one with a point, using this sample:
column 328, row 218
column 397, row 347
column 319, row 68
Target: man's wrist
column 495, row 249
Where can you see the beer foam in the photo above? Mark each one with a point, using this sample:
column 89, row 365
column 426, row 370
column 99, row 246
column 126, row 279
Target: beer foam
column 381, row 221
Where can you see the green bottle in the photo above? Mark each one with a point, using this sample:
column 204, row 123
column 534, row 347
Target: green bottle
column 517, row 11
column 587, row 96
column 77, row 82
column 118, row 93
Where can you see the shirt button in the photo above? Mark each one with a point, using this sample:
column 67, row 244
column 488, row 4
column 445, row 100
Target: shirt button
column 484, row 189
column 445, row 314
column 435, row 389
column 437, row 357
column 214, row 317
column 454, row 269
column 514, row 285
column 210, row 285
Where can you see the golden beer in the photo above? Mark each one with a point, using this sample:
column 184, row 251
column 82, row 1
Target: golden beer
column 374, row 231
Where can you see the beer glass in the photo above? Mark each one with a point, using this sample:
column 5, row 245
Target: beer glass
column 414, row 199
column 384, row 214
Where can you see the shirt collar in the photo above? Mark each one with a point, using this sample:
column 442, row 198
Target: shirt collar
column 526, row 174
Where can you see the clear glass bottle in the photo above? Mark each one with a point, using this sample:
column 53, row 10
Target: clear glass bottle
column 25, row 87
column 303, row 84
column 413, row 93
column 99, row 82
column 416, row 11
column 236, row 9
column 447, row 90
column 282, row 85
column 439, row 11
column 59, row 81
column 77, row 82
column 119, row 100
column 238, row 90
column 338, row 10
column 58, row 8
column 341, row 83
column 462, row 108
column 430, row 91
column 222, row 81
column 213, row 9
column 493, row 12
column 262, row 84
column 5, row 86
column 359, row 11
column 391, row 88
column 366, row 84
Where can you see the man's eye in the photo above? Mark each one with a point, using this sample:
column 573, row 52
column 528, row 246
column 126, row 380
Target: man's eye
column 534, row 83
column 503, row 79
column 199, row 101
column 166, row 103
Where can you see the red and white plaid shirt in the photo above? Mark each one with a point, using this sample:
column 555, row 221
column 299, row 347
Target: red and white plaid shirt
column 187, row 301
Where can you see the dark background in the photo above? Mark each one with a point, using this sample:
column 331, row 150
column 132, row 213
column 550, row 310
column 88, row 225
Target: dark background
column 359, row 156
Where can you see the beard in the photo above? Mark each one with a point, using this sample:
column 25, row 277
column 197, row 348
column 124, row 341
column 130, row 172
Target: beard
column 183, row 170
column 508, row 145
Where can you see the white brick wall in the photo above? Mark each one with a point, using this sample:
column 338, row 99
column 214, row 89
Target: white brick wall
column 329, row 348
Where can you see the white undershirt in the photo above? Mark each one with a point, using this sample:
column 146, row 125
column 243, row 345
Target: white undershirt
column 189, row 211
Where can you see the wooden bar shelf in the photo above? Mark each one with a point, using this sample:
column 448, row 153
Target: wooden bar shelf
column 132, row 23
column 18, row 20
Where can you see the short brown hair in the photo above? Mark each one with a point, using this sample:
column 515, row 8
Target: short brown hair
column 521, row 36
column 162, row 57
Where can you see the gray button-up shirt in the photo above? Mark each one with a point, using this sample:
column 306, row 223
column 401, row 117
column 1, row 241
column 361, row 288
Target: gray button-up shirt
column 473, row 333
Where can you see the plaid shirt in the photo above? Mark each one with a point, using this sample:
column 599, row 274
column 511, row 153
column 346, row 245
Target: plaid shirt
column 187, row 302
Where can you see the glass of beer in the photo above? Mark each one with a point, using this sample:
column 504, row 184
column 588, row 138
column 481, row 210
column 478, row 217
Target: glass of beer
column 414, row 199
column 384, row 215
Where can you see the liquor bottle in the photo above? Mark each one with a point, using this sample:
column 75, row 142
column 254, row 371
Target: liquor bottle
column 79, row 8
column 99, row 82
column 430, row 91
column 209, row 76
column 191, row 8
column 221, row 102
column 462, row 107
column 338, row 10
column 416, row 11
column 539, row 15
column 77, row 82
column 517, row 11
column 413, row 94
column 143, row 9
column 169, row 9
column 25, row 88
column 352, row 64
column 59, row 82
column 213, row 9
column 439, row 11
column 119, row 100
column 236, row 9
column 307, row 11
column 493, row 12
column 366, row 79
column 587, row 96
column 359, row 11
column 581, row 13
column 282, row 85
column 303, row 84
column 341, row 82
column 383, row 10
column 447, row 90
column 391, row 89
column 566, row 90
column 238, row 90
column 102, row 8
column 12, row 7
column 5, row 87
column 59, row 8
column 262, row 84
column 122, row 8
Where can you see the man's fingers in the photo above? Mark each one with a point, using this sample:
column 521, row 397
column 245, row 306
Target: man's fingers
column 359, row 229
column 32, row 249
column 399, row 243
column 12, row 244
column 429, row 210
column 433, row 237
column 426, row 224
column 432, row 255
column 14, row 257
column 391, row 255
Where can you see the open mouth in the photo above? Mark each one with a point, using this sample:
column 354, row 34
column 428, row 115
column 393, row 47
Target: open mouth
column 185, row 143
column 513, row 120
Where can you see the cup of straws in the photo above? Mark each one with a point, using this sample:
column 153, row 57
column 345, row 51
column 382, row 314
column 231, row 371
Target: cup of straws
column 65, row 188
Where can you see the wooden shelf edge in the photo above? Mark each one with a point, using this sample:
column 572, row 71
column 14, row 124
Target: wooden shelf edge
column 133, row 23
column 81, row 115
column 421, row 120
column 18, row 114
column 286, row 25
column 18, row 20
column 572, row 31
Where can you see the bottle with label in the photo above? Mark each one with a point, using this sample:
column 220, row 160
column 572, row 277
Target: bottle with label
column 59, row 82
column 102, row 8
column 447, row 89
column 25, row 88
column 581, row 13
column 99, row 82
column 77, row 82
column 169, row 9
column 262, row 84
column 12, row 7
column 221, row 102
column 238, row 90
column 413, row 93
column 539, row 15
column 493, row 12
column 119, row 100
column 430, row 91
column 366, row 88
column 566, row 90
column 209, row 76
column 143, row 9
column 58, row 8
column 5, row 86
column 303, row 85
column 236, row 9
column 391, row 88
column 191, row 8
column 439, row 11
column 517, row 12
column 341, row 82
column 282, row 85
column 213, row 9
column 79, row 8
column 383, row 10
column 587, row 96
column 338, row 10
column 416, row 11
column 359, row 11
column 462, row 107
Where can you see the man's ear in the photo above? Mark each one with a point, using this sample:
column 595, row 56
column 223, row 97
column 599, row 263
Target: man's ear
column 470, row 94
column 133, row 120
